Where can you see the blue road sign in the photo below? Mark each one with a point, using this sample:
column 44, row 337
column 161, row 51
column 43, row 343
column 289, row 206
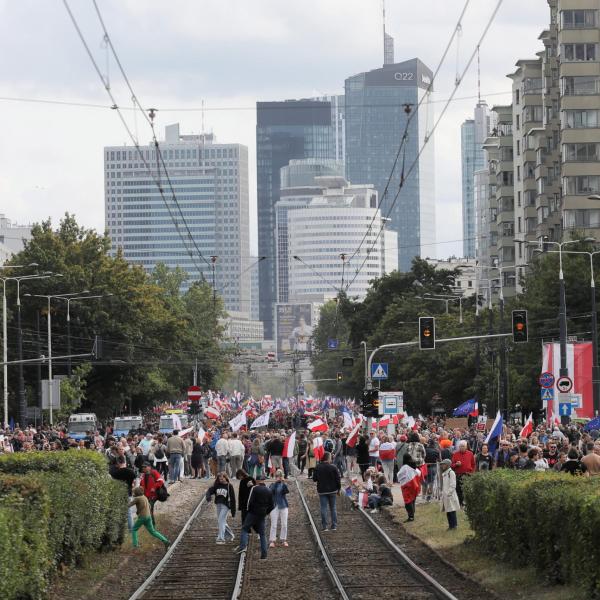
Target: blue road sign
column 546, row 380
column 547, row 394
column 332, row 344
column 300, row 389
column 564, row 409
column 379, row 371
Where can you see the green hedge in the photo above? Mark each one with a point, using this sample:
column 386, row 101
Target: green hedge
column 24, row 551
column 550, row 521
column 87, row 509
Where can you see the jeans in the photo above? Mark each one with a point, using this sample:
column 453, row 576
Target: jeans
column 175, row 466
column 374, row 500
column 285, row 461
column 373, row 460
column 222, row 463
column 257, row 523
column 276, row 514
column 301, row 464
column 388, row 470
column 410, row 509
column 224, row 529
column 452, row 519
column 328, row 501
column 147, row 523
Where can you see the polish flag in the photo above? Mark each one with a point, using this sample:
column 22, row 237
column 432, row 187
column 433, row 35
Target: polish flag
column 363, row 499
column 288, row 446
column 212, row 413
column 528, row 427
column 348, row 421
column 387, row 451
column 318, row 449
column 353, row 436
column 317, row 425
column 474, row 412
column 201, row 435
column 410, row 483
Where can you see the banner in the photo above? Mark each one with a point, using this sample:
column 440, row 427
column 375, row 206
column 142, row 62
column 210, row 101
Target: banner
column 294, row 328
column 238, row 421
column 262, row 421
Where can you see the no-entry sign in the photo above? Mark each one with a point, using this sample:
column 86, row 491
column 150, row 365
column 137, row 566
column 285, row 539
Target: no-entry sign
column 194, row 393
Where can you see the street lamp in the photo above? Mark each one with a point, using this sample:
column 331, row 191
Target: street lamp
column 5, row 337
column 449, row 299
column 595, row 366
column 69, row 300
column 49, row 297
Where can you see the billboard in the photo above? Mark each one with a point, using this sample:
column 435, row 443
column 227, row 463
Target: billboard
column 294, row 329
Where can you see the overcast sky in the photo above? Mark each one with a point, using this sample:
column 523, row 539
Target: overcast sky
column 229, row 53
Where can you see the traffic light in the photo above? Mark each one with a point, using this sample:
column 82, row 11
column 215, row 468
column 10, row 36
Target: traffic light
column 519, row 326
column 339, row 376
column 427, row 333
column 347, row 361
column 370, row 403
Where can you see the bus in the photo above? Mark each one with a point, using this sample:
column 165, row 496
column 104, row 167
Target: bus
column 80, row 424
column 123, row 425
column 166, row 423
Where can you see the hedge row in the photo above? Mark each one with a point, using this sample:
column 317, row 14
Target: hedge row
column 55, row 507
column 550, row 521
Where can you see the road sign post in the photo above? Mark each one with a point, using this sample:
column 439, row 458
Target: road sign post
column 194, row 393
column 546, row 380
column 564, row 384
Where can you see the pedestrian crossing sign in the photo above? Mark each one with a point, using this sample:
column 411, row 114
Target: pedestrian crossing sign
column 547, row 394
column 379, row 371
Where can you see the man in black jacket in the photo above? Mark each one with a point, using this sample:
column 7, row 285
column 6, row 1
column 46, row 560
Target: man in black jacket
column 260, row 504
column 329, row 484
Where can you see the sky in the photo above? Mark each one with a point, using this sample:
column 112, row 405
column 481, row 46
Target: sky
column 228, row 54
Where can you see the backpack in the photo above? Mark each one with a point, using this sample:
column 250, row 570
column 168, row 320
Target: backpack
column 328, row 445
column 160, row 454
column 162, row 494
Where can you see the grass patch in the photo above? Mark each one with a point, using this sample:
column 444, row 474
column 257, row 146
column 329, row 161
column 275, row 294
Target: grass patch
column 459, row 548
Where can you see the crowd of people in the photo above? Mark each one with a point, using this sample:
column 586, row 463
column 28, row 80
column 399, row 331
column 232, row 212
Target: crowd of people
column 427, row 460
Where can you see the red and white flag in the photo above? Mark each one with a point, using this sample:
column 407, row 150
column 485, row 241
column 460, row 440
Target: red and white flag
column 528, row 427
column 288, row 446
column 387, row 451
column 363, row 499
column 317, row 425
column 410, row 483
column 201, row 435
column 212, row 413
column 318, row 449
column 353, row 436
column 347, row 420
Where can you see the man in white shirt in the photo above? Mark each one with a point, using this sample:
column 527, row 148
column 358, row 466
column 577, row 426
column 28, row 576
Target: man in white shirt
column 222, row 450
column 373, row 449
column 236, row 454
column 146, row 443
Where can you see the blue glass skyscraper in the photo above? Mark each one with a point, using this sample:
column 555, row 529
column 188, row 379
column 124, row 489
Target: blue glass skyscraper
column 375, row 123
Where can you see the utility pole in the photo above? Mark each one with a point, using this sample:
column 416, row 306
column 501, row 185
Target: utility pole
column 213, row 262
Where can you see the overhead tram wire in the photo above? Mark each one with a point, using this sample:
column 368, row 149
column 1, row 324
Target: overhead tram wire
column 128, row 130
column 410, row 117
column 148, row 116
column 429, row 136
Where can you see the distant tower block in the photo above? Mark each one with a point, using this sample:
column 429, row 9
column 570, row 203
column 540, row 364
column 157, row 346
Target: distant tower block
column 388, row 49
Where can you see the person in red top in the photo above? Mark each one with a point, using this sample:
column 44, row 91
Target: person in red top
column 150, row 481
column 463, row 464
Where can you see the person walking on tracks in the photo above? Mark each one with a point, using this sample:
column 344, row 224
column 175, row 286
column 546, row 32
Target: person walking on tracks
column 246, row 485
column 450, row 503
column 329, row 484
column 280, row 490
column 143, row 518
column 175, row 451
column 260, row 504
column 224, row 495
column 150, row 481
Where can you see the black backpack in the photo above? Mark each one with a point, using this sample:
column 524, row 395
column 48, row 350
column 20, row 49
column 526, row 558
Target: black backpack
column 160, row 454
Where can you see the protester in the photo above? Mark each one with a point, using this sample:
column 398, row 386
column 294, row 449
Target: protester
column 387, row 455
column 382, row 496
column 175, row 451
column 484, row 461
column 150, row 481
column 373, row 449
column 236, row 454
column 463, row 464
column 280, row 490
column 260, row 504
column 362, row 455
column 329, row 484
column 573, row 465
column 224, row 495
column 143, row 518
column 246, row 484
column 409, row 479
column 450, row 502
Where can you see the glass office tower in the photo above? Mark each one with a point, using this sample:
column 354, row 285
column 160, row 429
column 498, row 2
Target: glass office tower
column 375, row 123
column 292, row 129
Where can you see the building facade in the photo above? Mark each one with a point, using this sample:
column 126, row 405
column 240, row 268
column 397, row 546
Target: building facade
column 325, row 233
column 473, row 133
column 210, row 185
column 12, row 237
column 376, row 120
column 292, row 129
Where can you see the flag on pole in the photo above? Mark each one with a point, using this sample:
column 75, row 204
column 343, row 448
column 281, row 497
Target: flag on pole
column 466, row 409
column 528, row 427
column 288, row 446
column 201, row 435
column 262, row 421
column 317, row 425
column 347, row 420
column 353, row 436
column 318, row 449
column 212, row 413
column 593, row 424
column 176, row 423
column 238, row 421
column 494, row 435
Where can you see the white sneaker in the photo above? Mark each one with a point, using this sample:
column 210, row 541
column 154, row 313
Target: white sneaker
column 374, row 511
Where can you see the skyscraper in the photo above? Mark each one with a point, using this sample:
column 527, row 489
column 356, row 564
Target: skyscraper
column 473, row 133
column 210, row 184
column 292, row 129
column 375, row 123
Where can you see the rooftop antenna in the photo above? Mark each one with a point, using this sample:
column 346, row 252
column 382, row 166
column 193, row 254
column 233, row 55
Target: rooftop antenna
column 478, row 77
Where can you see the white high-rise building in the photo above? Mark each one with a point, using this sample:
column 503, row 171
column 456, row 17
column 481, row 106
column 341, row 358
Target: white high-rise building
column 210, row 217
column 12, row 237
column 323, row 236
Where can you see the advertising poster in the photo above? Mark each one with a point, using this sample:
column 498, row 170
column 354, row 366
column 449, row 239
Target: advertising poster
column 294, row 329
